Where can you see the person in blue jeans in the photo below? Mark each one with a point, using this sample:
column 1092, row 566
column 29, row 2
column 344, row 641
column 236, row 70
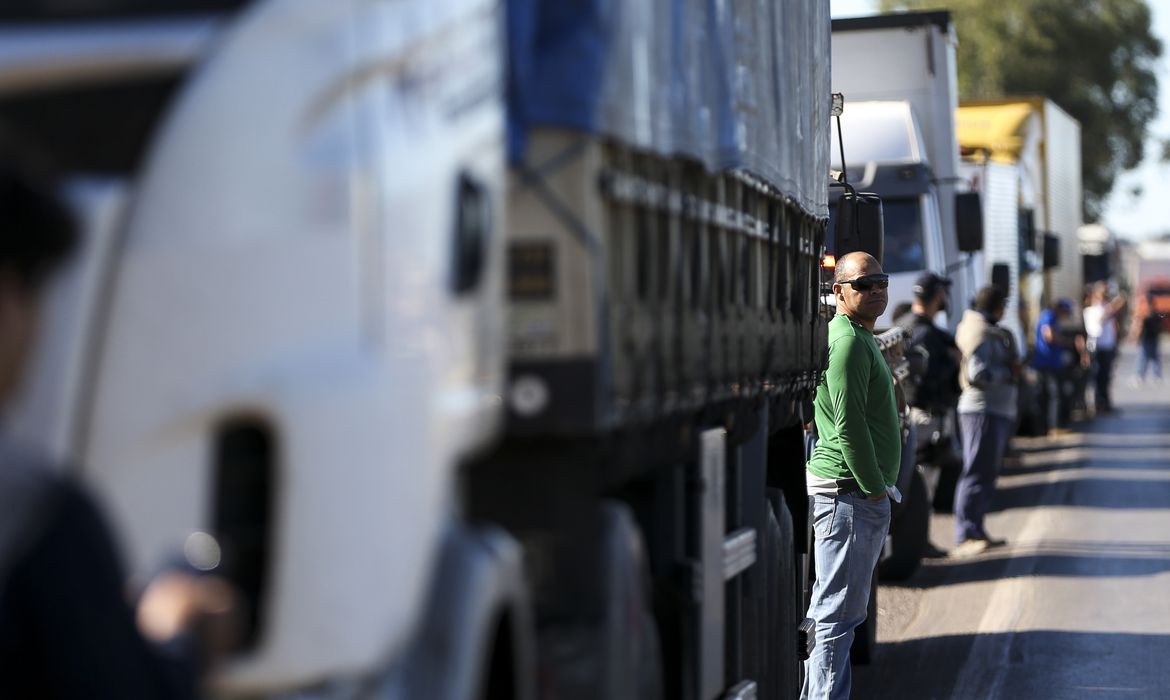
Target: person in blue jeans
column 987, row 414
column 1149, row 331
column 854, row 462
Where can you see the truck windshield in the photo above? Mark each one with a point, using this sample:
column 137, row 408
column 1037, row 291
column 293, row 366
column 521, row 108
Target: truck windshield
column 904, row 249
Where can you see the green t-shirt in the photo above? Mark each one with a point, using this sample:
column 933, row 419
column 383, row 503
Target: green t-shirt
column 856, row 414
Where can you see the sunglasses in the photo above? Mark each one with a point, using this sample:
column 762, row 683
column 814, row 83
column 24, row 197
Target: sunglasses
column 869, row 282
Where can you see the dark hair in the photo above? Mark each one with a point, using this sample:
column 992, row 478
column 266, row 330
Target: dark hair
column 990, row 298
column 37, row 230
column 902, row 309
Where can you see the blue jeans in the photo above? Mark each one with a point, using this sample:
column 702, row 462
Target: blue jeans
column 1148, row 355
column 1103, row 361
column 985, row 439
column 850, row 531
column 1055, row 390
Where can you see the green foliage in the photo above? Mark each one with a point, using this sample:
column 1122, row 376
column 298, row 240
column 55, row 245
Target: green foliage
column 1094, row 58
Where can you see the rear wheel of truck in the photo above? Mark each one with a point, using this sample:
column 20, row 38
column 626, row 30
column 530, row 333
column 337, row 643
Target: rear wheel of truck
column 783, row 674
column 909, row 533
column 604, row 642
column 944, row 492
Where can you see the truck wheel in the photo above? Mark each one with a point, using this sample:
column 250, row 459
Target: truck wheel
column 944, row 492
column 784, row 601
column 603, row 643
column 501, row 682
column 909, row 533
column 631, row 635
column 865, row 636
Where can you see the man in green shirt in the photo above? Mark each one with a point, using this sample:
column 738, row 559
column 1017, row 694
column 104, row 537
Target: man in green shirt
column 858, row 450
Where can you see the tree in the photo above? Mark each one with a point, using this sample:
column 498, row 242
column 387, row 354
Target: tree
column 1094, row 58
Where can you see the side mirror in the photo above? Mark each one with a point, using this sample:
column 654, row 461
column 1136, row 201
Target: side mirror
column 860, row 224
column 1051, row 251
column 1001, row 276
column 969, row 221
column 1027, row 223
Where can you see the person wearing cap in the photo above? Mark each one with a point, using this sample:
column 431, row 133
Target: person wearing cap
column 932, row 401
column 854, row 462
column 987, row 412
column 939, row 389
column 1054, row 358
column 935, row 395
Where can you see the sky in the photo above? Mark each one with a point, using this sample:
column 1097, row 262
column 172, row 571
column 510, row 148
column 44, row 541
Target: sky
column 1127, row 215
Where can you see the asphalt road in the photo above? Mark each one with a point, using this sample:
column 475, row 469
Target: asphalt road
column 1078, row 604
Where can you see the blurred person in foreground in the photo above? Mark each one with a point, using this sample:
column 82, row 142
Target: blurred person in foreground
column 987, row 413
column 1101, row 332
column 1056, row 358
column 67, row 629
column 855, row 461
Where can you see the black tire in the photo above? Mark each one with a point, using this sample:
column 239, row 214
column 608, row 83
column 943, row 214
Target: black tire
column 865, row 636
column 618, row 653
column 784, row 602
column 909, row 533
column 630, row 627
column 944, row 492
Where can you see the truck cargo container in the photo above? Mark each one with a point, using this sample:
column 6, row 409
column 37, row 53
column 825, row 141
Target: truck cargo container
column 1043, row 143
column 489, row 381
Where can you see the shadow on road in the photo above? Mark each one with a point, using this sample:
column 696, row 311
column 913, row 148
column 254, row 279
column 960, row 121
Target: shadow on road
column 1050, row 558
column 1085, row 492
column 1039, row 664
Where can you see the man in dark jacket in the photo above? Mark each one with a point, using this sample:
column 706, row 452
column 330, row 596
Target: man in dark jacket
column 66, row 627
column 933, row 396
column 938, row 389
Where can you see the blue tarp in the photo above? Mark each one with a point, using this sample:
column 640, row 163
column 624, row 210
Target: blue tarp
column 732, row 83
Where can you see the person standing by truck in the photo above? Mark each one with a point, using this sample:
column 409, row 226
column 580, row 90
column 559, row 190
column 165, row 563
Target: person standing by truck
column 1101, row 331
column 66, row 629
column 935, row 393
column 1148, row 330
column 939, row 389
column 1054, row 359
column 855, row 461
column 987, row 413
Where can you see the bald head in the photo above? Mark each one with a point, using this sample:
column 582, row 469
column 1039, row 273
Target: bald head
column 865, row 304
column 855, row 264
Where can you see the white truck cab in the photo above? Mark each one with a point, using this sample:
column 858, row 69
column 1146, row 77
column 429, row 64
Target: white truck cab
column 909, row 59
column 886, row 155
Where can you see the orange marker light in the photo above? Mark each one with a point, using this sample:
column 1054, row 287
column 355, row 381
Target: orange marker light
column 829, row 262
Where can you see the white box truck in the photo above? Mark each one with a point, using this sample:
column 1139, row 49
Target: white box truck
column 1042, row 144
column 897, row 73
column 480, row 397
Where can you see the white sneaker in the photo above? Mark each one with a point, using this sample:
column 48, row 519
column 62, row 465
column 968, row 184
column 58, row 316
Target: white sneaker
column 970, row 548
